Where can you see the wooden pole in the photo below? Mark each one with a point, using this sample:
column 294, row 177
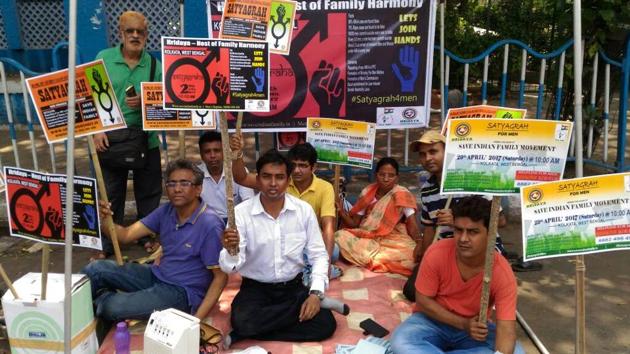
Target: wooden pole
column 487, row 270
column 336, row 180
column 580, row 304
column 7, row 281
column 109, row 221
column 227, row 170
column 438, row 229
column 182, row 144
column 45, row 264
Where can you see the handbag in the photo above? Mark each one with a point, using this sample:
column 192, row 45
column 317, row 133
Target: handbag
column 127, row 149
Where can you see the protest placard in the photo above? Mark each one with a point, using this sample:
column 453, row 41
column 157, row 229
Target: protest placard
column 365, row 60
column 342, row 142
column 260, row 20
column 483, row 111
column 498, row 156
column 576, row 216
column 216, row 74
column 96, row 109
column 36, row 207
column 280, row 28
column 154, row 117
column 245, row 19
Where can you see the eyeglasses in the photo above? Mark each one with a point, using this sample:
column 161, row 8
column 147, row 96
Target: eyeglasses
column 130, row 31
column 184, row 183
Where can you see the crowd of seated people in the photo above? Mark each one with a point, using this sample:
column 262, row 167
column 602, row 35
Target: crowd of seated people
column 285, row 243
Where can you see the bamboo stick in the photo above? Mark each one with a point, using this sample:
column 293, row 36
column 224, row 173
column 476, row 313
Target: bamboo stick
column 227, row 170
column 109, row 221
column 487, row 270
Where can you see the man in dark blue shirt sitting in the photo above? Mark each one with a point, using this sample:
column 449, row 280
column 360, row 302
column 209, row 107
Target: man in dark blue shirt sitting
column 187, row 277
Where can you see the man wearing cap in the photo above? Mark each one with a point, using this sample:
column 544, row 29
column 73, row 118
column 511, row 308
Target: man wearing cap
column 434, row 215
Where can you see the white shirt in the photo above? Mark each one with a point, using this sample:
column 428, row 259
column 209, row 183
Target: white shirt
column 213, row 192
column 271, row 250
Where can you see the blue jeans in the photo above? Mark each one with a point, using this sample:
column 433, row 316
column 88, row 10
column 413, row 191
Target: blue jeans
column 131, row 291
column 308, row 268
column 419, row 335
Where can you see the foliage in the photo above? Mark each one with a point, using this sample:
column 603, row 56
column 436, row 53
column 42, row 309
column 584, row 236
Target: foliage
column 542, row 24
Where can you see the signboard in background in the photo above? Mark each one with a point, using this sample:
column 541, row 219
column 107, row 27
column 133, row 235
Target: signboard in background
column 498, row 156
column 367, row 59
column 286, row 140
column 36, row 206
column 96, row 109
column 342, row 142
column 216, row 74
column 154, row 117
column 576, row 216
column 483, row 111
column 3, row 184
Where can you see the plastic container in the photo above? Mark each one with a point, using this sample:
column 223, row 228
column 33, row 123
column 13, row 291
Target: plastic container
column 122, row 338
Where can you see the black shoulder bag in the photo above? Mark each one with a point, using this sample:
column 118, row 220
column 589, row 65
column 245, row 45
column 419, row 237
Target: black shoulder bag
column 127, row 147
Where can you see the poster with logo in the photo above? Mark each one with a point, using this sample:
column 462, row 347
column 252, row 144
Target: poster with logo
column 342, row 142
column 154, row 117
column 96, row 108
column 280, row 28
column 499, row 156
column 217, row 74
column 483, row 111
column 363, row 60
column 36, row 207
column 245, row 19
column 576, row 216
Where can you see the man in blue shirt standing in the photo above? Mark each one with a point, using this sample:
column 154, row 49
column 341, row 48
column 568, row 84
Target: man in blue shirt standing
column 187, row 278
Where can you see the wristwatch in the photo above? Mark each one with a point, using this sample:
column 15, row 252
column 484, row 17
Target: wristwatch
column 319, row 294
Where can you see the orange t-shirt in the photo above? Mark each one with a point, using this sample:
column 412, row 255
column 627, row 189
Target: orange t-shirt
column 440, row 279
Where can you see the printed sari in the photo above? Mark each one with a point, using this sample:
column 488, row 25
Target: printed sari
column 381, row 242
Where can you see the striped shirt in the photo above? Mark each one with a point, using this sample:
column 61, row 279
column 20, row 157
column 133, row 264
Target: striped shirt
column 432, row 202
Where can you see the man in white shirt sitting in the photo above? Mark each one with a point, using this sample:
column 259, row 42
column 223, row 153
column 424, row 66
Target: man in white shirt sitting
column 213, row 192
column 275, row 229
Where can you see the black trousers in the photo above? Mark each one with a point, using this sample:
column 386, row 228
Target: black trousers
column 265, row 311
column 147, row 189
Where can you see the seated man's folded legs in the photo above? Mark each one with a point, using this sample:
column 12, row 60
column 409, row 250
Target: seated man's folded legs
column 266, row 312
column 139, row 305
column 131, row 291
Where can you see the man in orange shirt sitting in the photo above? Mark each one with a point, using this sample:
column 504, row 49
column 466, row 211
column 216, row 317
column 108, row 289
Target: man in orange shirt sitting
column 448, row 297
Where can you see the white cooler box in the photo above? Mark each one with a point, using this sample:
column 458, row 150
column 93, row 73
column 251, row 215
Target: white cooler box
column 36, row 327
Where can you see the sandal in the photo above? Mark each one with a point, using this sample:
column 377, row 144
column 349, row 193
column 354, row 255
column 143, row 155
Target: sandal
column 209, row 339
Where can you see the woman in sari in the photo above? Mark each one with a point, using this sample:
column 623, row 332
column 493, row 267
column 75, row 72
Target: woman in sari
column 382, row 224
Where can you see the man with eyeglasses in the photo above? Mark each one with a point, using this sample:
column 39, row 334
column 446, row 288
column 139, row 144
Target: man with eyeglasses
column 188, row 276
column 128, row 64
